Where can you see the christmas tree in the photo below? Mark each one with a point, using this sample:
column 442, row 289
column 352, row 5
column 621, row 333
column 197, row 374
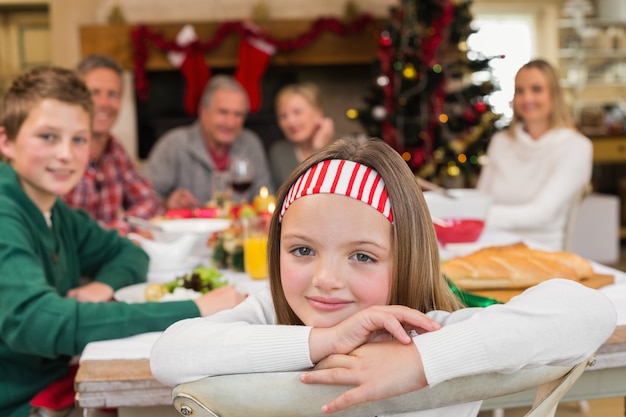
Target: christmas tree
column 424, row 102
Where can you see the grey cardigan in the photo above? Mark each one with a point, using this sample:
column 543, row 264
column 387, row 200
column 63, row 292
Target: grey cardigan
column 180, row 160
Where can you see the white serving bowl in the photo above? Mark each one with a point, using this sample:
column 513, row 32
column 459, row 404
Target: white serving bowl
column 459, row 218
column 201, row 228
column 466, row 203
column 167, row 254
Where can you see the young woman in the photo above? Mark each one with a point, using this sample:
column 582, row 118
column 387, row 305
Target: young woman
column 539, row 164
column 356, row 297
column 306, row 129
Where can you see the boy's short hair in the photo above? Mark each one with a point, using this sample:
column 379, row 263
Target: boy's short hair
column 38, row 84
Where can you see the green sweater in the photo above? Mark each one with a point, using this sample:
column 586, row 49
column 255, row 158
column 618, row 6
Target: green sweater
column 40, row 329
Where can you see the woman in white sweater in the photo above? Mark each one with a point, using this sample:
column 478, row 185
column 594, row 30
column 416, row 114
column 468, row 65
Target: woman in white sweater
column 357, row 297
column 539, row 164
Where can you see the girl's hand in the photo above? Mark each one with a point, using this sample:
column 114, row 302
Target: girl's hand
column 94, row 292
column 373, row 323
column 219, row 299
column 377, row 370
column 324, row 133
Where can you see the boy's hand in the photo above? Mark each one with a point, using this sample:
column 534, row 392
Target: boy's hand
column 94, row 292
column 221, row 298
column 181, row 198
column 374, row 323
column 378, row 371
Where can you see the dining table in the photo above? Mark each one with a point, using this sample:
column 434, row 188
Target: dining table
column 116, row 373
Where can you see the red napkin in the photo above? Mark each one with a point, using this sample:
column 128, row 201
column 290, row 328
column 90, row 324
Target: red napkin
column 59, row 394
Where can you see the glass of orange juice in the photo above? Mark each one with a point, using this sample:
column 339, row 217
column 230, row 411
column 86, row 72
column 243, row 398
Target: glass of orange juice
column 255, row 232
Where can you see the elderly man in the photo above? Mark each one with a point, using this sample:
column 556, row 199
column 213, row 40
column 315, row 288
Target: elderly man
column 185, row 159
column 112, row 187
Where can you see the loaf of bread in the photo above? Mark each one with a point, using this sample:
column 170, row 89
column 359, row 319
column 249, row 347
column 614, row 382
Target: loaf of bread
column 513, row 267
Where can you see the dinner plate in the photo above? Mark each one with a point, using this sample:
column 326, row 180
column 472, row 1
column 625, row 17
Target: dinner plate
column 136, row 294
column 240, row 280
column 179, row 227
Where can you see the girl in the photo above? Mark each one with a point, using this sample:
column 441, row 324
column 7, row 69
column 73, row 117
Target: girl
column 357, row 296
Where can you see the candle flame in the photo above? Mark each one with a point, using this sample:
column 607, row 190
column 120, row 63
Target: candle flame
column 271, row 207
column 263, row 192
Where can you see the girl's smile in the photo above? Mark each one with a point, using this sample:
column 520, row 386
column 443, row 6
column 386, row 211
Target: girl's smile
column 336, row 258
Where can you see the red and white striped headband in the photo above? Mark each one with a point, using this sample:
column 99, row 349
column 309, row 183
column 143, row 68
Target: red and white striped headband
column 338, row 176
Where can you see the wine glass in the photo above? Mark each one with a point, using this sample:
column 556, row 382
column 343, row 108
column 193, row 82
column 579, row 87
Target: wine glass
column 241, row 175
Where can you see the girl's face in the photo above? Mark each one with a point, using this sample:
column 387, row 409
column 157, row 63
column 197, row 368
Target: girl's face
column 51, row 150
column 532, row 100
column 335, row 258
column 297, row 118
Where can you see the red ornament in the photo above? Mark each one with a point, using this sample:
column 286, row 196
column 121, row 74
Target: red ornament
column 385, row 39
column 480, row 107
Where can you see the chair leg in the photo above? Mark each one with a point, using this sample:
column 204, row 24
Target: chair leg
column 499, row 412
column 584, row 406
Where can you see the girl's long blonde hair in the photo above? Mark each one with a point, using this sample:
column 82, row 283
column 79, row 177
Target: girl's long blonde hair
column 416, row 281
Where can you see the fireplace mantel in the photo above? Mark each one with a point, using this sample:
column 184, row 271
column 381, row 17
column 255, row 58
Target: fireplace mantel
column 328, row 49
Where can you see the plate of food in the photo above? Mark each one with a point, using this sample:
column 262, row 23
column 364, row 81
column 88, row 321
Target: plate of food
column 187, row 286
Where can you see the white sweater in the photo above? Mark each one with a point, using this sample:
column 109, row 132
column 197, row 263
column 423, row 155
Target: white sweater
column 556, row 322
column 533, row 182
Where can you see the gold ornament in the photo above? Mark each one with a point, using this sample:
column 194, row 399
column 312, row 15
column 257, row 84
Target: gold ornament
column 453, row 170
column 352, row 114
column 409, row 72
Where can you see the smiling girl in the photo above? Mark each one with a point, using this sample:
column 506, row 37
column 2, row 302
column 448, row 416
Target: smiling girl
column 357, row 298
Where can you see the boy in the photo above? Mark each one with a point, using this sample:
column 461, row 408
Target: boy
column 45, row 247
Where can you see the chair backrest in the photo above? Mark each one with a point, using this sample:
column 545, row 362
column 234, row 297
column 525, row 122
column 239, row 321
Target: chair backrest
column 281, row 394
column 572, row 216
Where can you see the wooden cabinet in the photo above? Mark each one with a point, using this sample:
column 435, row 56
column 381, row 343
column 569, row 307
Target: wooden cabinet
column 609, row 158
column 609, row 150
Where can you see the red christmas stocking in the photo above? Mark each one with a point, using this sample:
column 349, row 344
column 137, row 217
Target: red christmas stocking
column 254, row 56
column 196, row 73
column 193, row 66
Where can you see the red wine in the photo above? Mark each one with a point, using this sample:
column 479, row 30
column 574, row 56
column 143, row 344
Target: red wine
column 241, row 186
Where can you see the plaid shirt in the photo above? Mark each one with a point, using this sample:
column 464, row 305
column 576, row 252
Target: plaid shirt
column 112, row 187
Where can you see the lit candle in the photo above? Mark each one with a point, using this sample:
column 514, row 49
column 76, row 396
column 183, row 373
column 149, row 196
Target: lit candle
column 263, row 201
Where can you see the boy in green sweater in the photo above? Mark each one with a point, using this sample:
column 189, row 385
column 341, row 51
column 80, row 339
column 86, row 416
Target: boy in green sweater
column 46, row 316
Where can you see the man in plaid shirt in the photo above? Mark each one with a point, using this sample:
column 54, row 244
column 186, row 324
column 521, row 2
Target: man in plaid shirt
column 112, row 187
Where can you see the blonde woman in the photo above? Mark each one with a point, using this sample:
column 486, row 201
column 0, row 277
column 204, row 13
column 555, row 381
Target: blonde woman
column 306, row 129
column 539, row 164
